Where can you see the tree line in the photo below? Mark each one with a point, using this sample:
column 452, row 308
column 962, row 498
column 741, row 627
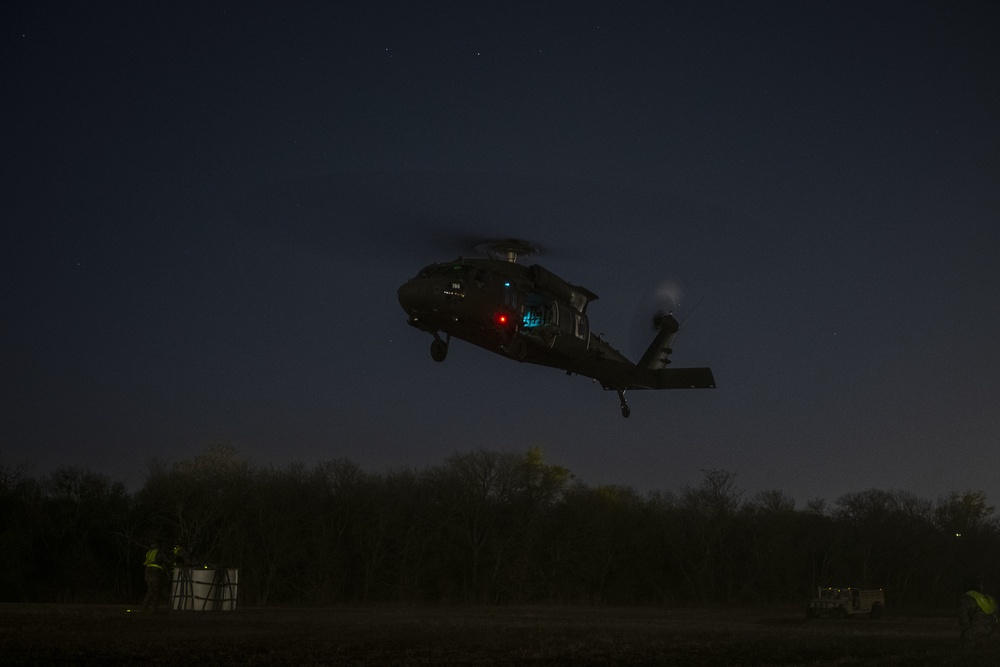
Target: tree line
column 482, row 527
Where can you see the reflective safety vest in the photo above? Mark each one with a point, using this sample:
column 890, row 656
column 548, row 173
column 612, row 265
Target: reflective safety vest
column 985, row 602
column 151, row 559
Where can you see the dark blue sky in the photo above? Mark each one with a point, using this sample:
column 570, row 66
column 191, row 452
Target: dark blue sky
column 208, row 208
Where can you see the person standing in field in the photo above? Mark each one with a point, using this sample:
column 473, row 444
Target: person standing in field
column 156, row 565
column 977, row 614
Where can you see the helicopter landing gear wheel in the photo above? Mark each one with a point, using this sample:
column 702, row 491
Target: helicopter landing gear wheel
column 626, row 410
column 439, row 348
column 517, row 348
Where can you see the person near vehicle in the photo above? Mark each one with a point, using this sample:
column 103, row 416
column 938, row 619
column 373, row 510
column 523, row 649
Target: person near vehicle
column 156, row 572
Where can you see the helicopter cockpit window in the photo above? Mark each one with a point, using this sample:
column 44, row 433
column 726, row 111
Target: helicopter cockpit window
column 429, row 271
column 481, row 278
column 452, row 271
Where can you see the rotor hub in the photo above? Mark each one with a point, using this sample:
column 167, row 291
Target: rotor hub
column 507, row 250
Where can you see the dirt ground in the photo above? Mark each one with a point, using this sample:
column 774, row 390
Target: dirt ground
column 104, row 635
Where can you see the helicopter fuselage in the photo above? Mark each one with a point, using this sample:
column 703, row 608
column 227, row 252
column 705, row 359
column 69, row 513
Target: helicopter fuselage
column 532, row 315
column 500, row 306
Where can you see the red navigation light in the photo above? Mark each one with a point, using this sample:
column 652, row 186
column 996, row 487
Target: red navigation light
column 501, row 319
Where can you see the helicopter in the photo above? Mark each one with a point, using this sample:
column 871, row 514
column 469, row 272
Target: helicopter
column 531, row 315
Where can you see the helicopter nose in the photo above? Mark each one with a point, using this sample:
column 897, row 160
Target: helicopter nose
column 411, row 295
column 404, row 294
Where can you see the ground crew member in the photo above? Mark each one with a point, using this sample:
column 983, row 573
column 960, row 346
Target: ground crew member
column 156, row 573
column 182, row 556
column 977, row 614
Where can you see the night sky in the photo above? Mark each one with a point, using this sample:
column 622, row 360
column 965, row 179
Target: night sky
column 207, row 209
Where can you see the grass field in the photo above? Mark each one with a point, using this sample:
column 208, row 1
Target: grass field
column 103, row 635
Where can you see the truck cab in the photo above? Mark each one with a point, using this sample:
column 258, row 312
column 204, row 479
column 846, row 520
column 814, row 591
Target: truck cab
column 845, row 602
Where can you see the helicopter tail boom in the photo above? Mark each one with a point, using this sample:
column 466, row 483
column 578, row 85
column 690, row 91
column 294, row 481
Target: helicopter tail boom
column 683, row 378
column 663, row 378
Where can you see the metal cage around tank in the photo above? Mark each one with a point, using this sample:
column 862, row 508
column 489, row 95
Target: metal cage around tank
column 207, row 588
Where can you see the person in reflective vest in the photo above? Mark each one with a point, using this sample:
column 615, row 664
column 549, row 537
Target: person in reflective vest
column 156, row 565
column 977, row 614
column 182, row 556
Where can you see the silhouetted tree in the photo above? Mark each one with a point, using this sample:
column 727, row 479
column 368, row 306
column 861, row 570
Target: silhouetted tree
column 483, row 526
column 708, row 549
column 21, row 528
column 80, row 548
column 969, row 531
column 778, row 566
